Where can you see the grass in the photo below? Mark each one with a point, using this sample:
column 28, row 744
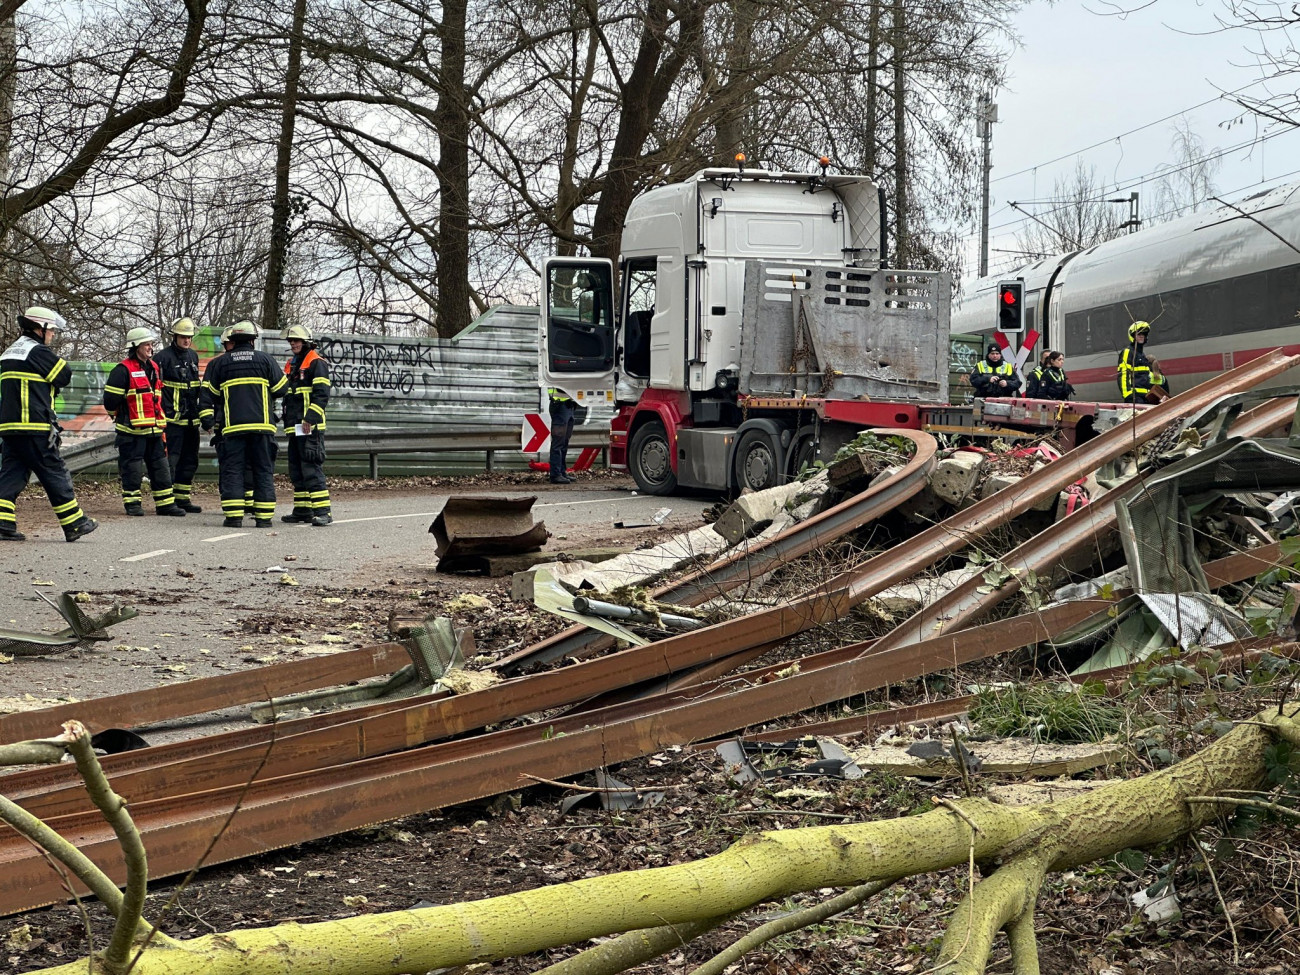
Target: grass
column 1047, row 712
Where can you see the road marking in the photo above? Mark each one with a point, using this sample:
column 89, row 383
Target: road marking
column 146, row 555
column 222, row 538
column 434, row 514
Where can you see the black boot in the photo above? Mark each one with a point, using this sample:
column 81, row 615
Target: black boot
column 174, row 510
column 233, row 523
column 296, row 517
column 8, row 534
column 136, row 510
column 76, row 530
column 322, row 518
column 189, row 506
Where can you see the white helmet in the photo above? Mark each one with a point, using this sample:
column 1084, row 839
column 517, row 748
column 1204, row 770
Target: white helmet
column 38, row 317
column 298, row 332
column 139, row 336
column 183, row 326
column 243, row 328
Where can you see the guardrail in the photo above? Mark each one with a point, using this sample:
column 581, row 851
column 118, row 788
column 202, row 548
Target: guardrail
column 92, row 452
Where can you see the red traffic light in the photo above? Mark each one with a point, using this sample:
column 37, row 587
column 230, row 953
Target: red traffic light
column 1009, row 297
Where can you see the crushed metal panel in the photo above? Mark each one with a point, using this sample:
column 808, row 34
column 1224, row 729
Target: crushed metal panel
column 80, row 631
column 467, row 529
column 851, row 331
column 1194, row 619
column 550, row 596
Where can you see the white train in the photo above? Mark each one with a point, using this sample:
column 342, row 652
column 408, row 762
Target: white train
column 1219, row 288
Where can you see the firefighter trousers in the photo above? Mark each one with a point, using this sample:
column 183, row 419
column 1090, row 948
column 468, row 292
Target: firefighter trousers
column 311, row 496
column 255, row 452
column 136, row 454
column 182, row 458
column 22, row 455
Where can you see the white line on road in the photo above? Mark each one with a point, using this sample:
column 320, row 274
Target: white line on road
column 434, row 514
column 146, row 555
column 222, row 538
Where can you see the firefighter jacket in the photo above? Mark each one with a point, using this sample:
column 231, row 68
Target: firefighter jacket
column 181, row 382
column 1134, row 374
column 309, row 389
column 133, row 394
column 241, row 385
column 30, row 377
column 981, row 377
column 1048, row 383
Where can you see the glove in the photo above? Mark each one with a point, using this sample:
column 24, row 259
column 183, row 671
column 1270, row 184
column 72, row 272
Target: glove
column 207, row 424
column 55, row 437
column 312, row 448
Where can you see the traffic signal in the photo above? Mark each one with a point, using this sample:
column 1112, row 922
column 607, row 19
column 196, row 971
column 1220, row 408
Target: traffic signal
column 1011, row 306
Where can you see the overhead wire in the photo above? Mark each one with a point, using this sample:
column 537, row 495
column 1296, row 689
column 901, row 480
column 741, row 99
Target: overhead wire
column 1114, row 138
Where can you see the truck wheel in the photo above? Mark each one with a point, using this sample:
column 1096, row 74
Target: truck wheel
column 803, row 453
column 757, row 465
column 650, row 460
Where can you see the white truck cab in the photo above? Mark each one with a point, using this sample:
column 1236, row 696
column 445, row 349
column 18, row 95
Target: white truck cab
column 734, row 286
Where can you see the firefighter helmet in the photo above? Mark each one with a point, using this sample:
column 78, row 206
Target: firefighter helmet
column 183, row 326
column 139, row 336
column 1138, row 328
column 225, row 334
column 37, row 317
column 298, row 332
column 243, row 328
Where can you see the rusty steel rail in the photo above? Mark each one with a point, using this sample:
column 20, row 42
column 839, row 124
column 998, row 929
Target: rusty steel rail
column 1068, row 542
column 739, row 567
column 273, row 813
column 470, row 773
column 205, row 694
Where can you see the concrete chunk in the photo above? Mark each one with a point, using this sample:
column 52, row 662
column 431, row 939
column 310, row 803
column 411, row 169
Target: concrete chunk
column 955, row 476
column 752, row 512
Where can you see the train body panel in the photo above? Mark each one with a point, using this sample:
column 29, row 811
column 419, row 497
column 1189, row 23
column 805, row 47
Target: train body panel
column 1219, row 287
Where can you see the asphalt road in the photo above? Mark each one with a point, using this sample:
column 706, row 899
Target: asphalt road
column 213, row 599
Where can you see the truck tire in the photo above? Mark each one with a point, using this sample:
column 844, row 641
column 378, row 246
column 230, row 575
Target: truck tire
column 757, row 463
column 803, row 452
column 650, row 460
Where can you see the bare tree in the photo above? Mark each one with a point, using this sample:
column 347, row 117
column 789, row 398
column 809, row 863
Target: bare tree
column 1077, row 216
column 1186, row 184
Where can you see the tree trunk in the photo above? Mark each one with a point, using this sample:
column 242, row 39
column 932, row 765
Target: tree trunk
column 659, row 61
column 273, row 291
column 1029, row 840
column 452, row 120
column 870, row 141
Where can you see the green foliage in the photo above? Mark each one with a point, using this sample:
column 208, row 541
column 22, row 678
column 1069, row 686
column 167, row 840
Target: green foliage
column 897, row 449
column 1048, row 713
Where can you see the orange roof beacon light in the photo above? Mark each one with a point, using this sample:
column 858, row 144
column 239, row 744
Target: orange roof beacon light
column 824, row 161
column 740, row 161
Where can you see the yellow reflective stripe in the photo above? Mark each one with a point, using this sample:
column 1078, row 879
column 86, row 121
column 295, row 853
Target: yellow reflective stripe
column 24, row 427
column 58, row 368
column 249, row 428
column 323, row 380
column 65, row 507
column 115, row 389
column 284, row 380
column 69, row 519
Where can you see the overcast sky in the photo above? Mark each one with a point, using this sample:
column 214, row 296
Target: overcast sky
column 1083, row 82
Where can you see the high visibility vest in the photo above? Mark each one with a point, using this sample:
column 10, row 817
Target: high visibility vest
column 1135, row 378
column 139, row 410
column 1005, row 369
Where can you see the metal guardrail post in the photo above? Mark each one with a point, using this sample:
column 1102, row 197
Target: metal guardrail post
column 491, row 460
column 374, row 467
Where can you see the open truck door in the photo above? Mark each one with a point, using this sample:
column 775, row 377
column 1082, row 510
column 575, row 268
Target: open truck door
column 577, row 334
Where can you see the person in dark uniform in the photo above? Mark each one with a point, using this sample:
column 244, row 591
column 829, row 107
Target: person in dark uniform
column 993, row 377
column 1137, row 373
column 1035, row 376
column 1049, row 381
column 180, row 372
column 242, row 384
column 133, row 396
column 304, row 422
column 562, row 415
column 30, row 377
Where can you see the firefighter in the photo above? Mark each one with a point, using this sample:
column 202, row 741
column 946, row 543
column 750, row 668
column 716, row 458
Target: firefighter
column 30, row 377
column 133, row 396
column 1137, row 373
column 180, row 372
column 993, row 377
column 562, row 410
column 242, row 384
column 1049, row 381
column 304, row 422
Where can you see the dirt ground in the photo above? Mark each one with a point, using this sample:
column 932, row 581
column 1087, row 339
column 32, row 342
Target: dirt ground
column 523, row 840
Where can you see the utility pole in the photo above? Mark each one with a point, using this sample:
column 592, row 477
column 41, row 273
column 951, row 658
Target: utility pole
column 987, row 115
